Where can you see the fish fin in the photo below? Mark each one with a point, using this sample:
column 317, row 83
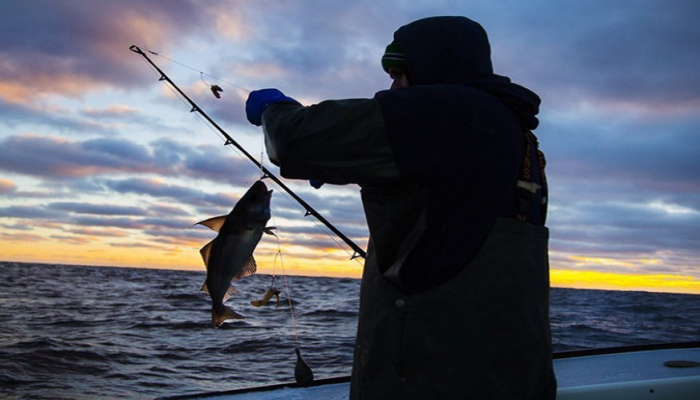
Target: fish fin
column 230, row 314
column 269, row 230
column 229, row 292
column 205, row 251
column 219, row 318
column 214, row 223
column 205, row 288
column 248, row 269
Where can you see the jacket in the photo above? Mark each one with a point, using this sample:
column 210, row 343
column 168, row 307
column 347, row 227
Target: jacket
column 454, row 298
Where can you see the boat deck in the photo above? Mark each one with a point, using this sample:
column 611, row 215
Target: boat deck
column 656, row 372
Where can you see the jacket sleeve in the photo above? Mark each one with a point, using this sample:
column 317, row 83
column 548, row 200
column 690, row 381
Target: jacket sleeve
column 335, row 141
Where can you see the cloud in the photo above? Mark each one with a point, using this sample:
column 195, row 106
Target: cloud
column 76, row 240
column 167, row 209
column 59, row 158
column 21, row 238
column 99, row 209
column 27, row 212
column 658, row 155
column 179, row 193
column 633, row 52
column 57, row 119
column 54, row 157
column 74, row 47
column 114, row 111
column 7, row 186
column 88, row 146
column 16, row 227
column 112, row 233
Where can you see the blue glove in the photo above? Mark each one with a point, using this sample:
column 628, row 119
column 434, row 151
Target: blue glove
column 259, row 100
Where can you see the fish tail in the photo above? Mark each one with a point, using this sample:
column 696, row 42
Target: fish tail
column 221, row 314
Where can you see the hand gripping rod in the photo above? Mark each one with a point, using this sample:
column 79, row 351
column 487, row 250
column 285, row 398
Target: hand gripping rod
column 267, row 174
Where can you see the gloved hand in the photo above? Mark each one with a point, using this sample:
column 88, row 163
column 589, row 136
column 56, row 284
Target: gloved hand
column 315, row 183
column 259, row 100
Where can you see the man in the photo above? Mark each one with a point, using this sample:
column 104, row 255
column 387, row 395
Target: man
column 454, row 298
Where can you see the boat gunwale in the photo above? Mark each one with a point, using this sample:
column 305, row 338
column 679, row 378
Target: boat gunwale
column 346, row 378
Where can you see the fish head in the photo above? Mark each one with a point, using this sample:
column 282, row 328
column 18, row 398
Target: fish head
column 255, row 203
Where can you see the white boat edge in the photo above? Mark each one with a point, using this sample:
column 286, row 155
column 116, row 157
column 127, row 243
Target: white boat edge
column 658, row 371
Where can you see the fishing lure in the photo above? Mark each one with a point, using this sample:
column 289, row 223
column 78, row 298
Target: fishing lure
column 272, row 291
column 216, row 90
column 358, row 252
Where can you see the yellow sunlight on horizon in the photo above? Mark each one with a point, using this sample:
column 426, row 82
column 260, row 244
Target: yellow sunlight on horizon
column 329, row 263
column 615, row 281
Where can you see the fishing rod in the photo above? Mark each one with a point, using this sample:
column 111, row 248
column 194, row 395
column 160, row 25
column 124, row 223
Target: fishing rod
column 266, row 173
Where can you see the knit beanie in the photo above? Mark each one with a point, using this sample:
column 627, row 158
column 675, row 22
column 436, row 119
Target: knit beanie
column 393, row 57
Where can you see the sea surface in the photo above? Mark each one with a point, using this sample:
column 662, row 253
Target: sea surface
column 74, row 332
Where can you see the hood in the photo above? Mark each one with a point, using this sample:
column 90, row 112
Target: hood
column 455, row 50
column 444, row 50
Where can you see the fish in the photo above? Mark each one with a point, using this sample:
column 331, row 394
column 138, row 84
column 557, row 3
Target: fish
column 229, row 256
column 266, row 298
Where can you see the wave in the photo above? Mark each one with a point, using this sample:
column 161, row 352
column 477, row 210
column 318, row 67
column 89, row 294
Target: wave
column 130, row 333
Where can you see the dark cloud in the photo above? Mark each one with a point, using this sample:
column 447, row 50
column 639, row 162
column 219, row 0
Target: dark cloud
column 650, row 155
column 15, row 114
column 103, row 221
column 641, row 52
column 619, row 83
column 53, row 157
column 27, row 212
column 83, row 223
column 166, row 209
column 182, row 235
column 206, row 162
column 22, row 237
column 97, row 232
column 56, row 158
column 69, row 239
column 315, row 231
column 73, row 46
column 137, row 245
column 100, row 209
column 169, row 222
column 17, row 227
column 351, row 224
column 178, row 193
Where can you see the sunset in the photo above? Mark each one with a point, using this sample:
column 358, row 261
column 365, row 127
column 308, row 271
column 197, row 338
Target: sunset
column 104, row 165
column 151, row 247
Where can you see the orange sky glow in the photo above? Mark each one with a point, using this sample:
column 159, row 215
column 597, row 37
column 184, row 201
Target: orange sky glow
column 297, row 260
column 103, row 164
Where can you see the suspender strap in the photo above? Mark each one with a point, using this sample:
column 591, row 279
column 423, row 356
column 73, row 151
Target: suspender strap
column 526, row 188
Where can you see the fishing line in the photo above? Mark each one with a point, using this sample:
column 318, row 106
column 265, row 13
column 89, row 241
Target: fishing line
column 278, row 255
column 288, row 198
column 302, row 372
column 201, row 73
column 358, row 252
column 318, row 226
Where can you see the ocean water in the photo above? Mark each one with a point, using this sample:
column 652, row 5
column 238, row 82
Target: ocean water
column 100, row 333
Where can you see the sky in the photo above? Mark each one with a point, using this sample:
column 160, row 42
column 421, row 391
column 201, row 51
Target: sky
column 102, row 164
